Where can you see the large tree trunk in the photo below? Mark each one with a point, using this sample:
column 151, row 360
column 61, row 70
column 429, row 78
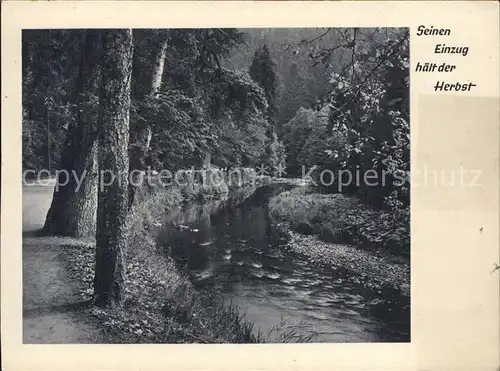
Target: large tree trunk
column 74, row 205
column 114, row 114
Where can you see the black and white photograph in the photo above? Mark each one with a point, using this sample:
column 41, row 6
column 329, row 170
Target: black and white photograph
column 216, row 185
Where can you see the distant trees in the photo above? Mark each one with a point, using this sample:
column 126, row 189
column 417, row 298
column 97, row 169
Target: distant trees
column 263, row 71
column 295, row 95
column 295, row 134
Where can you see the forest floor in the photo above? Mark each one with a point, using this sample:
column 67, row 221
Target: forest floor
column 53, row 311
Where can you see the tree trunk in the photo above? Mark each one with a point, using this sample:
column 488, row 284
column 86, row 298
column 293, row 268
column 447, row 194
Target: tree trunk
column 114, row 115
column 207, row 161
column 154, row 51
column 141, row 141
column 73, row 210
column 159, row 65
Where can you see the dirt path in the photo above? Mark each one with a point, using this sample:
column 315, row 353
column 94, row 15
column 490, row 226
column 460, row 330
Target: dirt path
column 52, row 311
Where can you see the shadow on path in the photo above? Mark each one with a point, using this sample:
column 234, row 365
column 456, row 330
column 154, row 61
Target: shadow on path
column 53, row 312
column 62, row 308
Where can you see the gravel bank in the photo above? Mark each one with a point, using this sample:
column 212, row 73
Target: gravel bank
column 373, row 271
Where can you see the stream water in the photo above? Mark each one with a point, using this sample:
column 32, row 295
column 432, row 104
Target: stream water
column 232, row 246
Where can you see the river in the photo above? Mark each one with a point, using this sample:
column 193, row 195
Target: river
column 232, row 246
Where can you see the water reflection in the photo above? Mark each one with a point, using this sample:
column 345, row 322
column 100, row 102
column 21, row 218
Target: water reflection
column 233, row 248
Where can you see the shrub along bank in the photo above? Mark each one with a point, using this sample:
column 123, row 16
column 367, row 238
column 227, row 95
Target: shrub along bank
column 338, row 218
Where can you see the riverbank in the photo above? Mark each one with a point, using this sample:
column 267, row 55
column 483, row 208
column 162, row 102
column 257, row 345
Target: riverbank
column 337, row 231
column 372, row 271
column 160, row 304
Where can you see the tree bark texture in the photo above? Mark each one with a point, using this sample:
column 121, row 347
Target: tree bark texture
column 73, row 210
column 114, row 115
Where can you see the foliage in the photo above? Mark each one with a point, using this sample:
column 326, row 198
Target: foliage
column 273, row 158
column 318, row 144
column 372, row 113
column 362, row 126
column 202, row 107
column 295, row 134
column 198, row 98
column 50, row 66
column 180, row 133
column 30, row 143
column 367, row 107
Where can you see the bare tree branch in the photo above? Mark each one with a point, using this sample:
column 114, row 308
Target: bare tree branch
column 354, row 52
column 307, row 42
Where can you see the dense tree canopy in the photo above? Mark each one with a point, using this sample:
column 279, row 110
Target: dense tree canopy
column 332, row 98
